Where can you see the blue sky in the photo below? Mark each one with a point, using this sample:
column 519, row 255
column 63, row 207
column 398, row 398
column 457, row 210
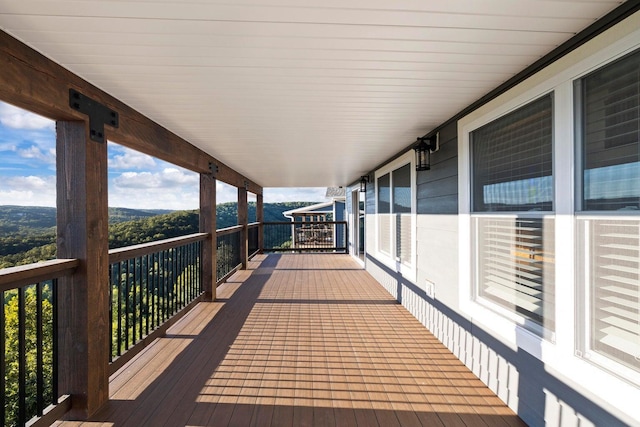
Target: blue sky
column 136, row 180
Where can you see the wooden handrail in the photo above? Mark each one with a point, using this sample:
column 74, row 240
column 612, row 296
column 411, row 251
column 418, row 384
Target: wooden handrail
column 121, row 254
column 228, row 230
column 15, row 277
column 253, row 224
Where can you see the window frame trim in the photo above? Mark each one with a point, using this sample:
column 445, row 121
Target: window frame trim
column 390, row 260
column 551, row 93
column 563, row 356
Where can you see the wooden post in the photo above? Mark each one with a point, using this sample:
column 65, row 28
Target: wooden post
column 208, row 225
column 243, row 220
column 82, row 219
column 260, row 220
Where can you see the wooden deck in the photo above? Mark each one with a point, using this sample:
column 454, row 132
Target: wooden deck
column 299, row 340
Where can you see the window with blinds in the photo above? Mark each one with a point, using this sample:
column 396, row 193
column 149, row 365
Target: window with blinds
column 610, row 122
column 512, row 171
column 384, row 211
column 512, row 160
column 395, row 233
column 612, row 263
column 516, row 266
column 402, row 212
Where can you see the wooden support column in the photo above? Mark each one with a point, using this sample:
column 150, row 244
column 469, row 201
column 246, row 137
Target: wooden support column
column 82, row 219
column 260, row 220
column 208, row 225
column 243, row 220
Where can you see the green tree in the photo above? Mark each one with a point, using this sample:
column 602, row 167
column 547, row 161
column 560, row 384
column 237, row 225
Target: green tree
column 12, row 361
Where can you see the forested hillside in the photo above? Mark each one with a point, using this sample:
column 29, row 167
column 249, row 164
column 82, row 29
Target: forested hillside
column 27, row 234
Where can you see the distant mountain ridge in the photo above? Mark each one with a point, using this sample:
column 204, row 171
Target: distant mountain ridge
column 13, row 218
column 28, row 234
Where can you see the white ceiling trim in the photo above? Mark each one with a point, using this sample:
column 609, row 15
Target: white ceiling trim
column 298, row 92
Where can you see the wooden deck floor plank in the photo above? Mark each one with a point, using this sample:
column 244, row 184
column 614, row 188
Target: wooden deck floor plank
column 300, row 340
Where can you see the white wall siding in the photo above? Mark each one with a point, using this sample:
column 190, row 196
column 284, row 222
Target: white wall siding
column 545, row 383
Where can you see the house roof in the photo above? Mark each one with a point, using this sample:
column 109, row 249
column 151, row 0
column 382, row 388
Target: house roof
column 325, row 207
column 335, row 192
column 298, row 92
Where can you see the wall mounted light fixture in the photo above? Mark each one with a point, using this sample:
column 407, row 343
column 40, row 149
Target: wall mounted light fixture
column 425, row 146
column 363, row 183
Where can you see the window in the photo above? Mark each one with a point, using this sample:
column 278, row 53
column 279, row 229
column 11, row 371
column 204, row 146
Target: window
column 608, row 112
column 549, row 224
column 610, row 125
column 395, row 203
column 402, row 211
column 512, row 173
column 384, row 210
column 512, row 161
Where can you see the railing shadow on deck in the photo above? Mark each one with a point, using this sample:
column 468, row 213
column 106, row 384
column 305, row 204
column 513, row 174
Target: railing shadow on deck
column 229, row 319
column 189, row 380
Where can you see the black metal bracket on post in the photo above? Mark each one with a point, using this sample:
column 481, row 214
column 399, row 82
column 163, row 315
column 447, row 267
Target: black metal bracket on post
column 99, row 114
column 213, row 168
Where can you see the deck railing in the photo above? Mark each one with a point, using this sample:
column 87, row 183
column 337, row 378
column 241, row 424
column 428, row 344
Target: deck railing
column 29, row 343
column 313, row 236
column 253, row 237
column 149, row 284
column 228, row 251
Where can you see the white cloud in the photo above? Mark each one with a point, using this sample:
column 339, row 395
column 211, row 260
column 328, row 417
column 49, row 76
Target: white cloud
column 8, row 146
column 170, row 188
column 225, row 193
column 303, row 194
column 137, row 180
column 35, row 183
column 155, row 198
column 34, row 152
column 166, row 179
column 130, row 159
column 175, row 177
column 17, row 118
column 28, row 191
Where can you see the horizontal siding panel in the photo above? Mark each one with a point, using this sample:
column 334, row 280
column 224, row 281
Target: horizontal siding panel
column 443, row 187
column 439, row 205
column 444, row 169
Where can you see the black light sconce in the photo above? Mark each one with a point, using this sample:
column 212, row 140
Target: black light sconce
column 423, row 150
column 363, row 183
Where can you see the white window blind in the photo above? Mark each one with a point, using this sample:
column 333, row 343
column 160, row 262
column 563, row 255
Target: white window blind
column 401, row 182
column 613, row 262
column 512, row 171
column 516, row 266
column 384, row 233
column 609, row 118
column 395, row 223
column 384, row 210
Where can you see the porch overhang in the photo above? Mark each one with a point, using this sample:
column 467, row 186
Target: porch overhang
column 293, row 94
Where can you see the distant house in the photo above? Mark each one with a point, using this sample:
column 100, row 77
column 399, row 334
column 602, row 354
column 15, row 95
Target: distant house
column 312, row 228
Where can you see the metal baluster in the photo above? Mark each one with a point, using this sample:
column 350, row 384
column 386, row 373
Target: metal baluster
column 39, row 350
column 111, row 267
column 3, row 385
column 126, row 307
column 134, row 304
column 22, row 358
column 54, row 368
column 120, row 291
column 147, row 298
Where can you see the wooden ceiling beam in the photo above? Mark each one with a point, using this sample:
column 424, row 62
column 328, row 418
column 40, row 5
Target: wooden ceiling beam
column 34, row 82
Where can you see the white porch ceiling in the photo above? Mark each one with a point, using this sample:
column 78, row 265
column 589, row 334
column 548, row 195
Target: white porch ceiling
column 295, row 93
